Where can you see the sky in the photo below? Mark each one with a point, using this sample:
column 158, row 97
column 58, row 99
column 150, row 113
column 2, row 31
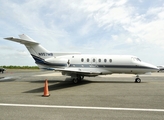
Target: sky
column 121, row 27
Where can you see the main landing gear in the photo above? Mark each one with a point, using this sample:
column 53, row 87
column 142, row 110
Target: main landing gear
column 77, row 79
column 137, row 80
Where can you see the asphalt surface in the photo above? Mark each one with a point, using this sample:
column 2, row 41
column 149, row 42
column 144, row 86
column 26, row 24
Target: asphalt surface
column 114, row 97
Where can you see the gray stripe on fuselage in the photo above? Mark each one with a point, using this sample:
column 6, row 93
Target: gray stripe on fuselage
column 41, row 61
column 109, row 66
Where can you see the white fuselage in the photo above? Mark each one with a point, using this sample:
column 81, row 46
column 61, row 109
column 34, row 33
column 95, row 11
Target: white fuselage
column 105, row 64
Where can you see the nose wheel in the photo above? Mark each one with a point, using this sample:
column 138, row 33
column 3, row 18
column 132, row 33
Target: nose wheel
column 137, row 80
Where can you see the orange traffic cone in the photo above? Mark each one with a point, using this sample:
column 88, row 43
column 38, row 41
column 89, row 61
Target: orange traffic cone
column 46, row 91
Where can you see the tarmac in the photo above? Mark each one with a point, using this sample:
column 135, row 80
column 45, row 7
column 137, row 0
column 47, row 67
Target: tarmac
column 114, row 97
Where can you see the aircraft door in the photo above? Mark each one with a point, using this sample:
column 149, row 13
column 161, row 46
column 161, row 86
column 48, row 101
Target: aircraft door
column 68, row 63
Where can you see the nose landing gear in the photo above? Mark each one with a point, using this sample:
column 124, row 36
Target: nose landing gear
column 137, row 80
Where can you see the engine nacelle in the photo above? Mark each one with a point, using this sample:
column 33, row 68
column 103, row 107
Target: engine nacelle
column 57, row 60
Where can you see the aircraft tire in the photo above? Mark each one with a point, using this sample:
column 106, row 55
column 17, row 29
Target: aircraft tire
column 82, row 77
column 137, row 80
column 75, row 80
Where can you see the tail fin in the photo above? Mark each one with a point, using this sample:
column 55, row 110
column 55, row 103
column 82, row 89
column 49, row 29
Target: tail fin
column 38, row 52
column 33, row 47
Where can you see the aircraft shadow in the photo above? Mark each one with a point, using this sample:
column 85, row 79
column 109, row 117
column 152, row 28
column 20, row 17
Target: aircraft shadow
column 7, row 79
column 129, row 82
column 111, row 82
column 58, row 84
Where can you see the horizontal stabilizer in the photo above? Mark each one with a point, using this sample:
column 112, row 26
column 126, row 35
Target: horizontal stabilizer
column 22, row 41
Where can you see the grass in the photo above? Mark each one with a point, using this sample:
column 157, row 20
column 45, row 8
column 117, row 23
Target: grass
column 20, row 67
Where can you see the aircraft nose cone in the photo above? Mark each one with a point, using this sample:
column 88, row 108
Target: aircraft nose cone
column 154, row 68
column 150, row 67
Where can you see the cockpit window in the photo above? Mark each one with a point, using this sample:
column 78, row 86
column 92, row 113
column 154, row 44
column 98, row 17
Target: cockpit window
column 136, row 59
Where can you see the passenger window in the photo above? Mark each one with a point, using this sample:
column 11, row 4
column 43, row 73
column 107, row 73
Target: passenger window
column 104, row 60
column 87, row 59
column 99, row 60
column 110, row 60
column 82, row 60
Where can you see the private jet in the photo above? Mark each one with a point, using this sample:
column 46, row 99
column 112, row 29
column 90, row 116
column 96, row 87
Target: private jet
column 79, row 65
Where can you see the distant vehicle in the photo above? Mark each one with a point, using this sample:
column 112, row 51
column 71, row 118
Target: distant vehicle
column 2, row 70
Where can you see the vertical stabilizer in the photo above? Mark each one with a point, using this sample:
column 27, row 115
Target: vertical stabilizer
column 25, row 37
column 38, row 52
column 33, row 47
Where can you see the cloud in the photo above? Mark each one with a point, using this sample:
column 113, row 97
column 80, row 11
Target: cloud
column 3, row 47
column 111, row 26
column 148, row 26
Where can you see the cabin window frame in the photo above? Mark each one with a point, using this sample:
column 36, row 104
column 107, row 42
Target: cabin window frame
column 82, row 59
column 88, row 60
column 105, row 60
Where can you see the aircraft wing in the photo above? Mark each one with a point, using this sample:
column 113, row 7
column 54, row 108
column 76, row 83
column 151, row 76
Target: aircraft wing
column 82, row 71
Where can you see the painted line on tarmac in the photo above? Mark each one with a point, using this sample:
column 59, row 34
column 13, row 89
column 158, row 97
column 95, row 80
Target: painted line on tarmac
column 82, row 107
